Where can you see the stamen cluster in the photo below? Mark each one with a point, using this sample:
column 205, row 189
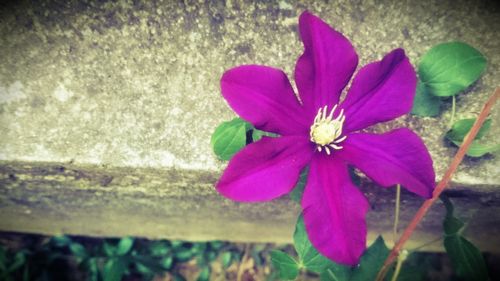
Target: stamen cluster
column 326, row 131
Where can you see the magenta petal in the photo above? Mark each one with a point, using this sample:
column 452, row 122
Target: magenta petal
column 264, row 97
column 326, row 66
column 396, row 157
column 381, row 91
column 334, row 211
column 266, row 169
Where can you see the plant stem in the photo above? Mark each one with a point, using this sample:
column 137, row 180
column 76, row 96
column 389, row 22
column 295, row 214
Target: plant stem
column 441, row 186
column 426, row 244
column 401, row 258
column 396, row 213
column 242, row 265
column 453, row 109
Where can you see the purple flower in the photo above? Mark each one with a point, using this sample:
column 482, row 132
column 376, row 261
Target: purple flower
column 320, row 131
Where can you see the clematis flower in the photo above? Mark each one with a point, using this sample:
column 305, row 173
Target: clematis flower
column 321, row 132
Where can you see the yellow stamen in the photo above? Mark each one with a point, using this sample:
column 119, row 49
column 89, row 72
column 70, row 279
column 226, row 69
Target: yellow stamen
column 326, row 132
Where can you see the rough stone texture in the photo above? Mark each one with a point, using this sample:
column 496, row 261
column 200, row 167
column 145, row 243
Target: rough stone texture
column 106, row 111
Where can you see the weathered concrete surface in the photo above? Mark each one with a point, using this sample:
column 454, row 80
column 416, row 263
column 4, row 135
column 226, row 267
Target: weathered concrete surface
column 128, row 95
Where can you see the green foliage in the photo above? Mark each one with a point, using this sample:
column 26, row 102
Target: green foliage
column 258, row 134
column 449, row 68
column 460, row 129
column 114, row 269
column 309, row 257
column 229, row 137
column 122, row 248
column 445, row 70
column 286, row 265
column 425, row 104
column 111, row 259
column 371, row 261
column 466, row 258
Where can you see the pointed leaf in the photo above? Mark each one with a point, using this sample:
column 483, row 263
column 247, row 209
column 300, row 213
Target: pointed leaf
column 451, row 224
column 425, row 104
column 466, row 258
column 159, row 248
column 109, row 249
column 78, row 250
column 461, row 127
column 124, row 246
column 450, row 68
column 309, row 257
column 286, row 265
column 204, row 274
column 61, row 240
column 478, row 150
column 371, row 261
column 229, row 137
column 226, row 259
column 114, row 269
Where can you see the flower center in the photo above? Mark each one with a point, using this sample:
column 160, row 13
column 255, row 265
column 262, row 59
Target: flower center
column 326, row 132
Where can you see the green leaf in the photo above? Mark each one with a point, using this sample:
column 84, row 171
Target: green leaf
column 229, row 137
column 478, row 150
column 61, row 240
column 183, row 254
column 296, row 193
column 425, row 104
column 450, row 68
column 226, row 259
column 124, row 246
column 204, row 274
column 19, row 260
column 461, row 127
column 78, row 250
column 371, row 261
column 466, row 258
column 166, row 262
column 159, row 248
column 286, row 265
column 114, row 269
column 141, row 268
column 93, row 269
column 336, row 273
column 258, row 134
column 309, row 257
column 216, row 244
column 109, row 249
column 451, row 224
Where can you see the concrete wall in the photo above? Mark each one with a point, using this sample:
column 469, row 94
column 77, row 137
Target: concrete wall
column 106, row 112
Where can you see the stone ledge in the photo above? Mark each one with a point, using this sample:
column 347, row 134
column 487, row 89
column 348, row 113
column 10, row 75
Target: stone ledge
column 55, row 198
column 106, row 112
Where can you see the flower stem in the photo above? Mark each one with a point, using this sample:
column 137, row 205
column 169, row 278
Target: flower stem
column 453, row 109
column 401, row 258
column 396, row 213
column 441, row 186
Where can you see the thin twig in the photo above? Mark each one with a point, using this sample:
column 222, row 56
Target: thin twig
column 241, row 268
column 453, row 109
column 441, row 186
column 396, row 214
